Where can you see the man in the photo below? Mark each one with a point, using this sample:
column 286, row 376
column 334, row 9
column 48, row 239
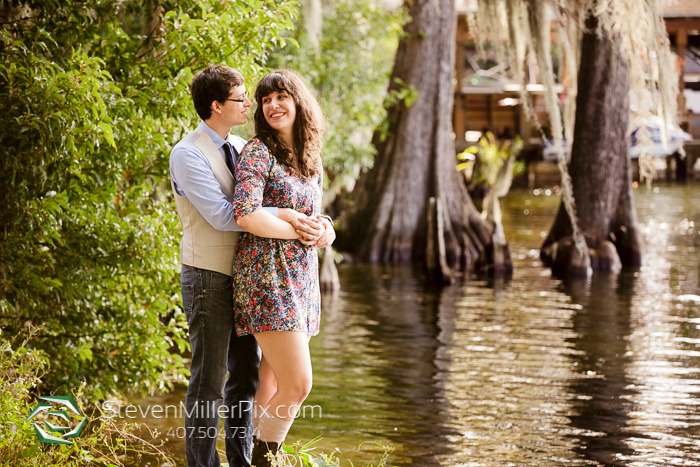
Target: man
column 202, row 167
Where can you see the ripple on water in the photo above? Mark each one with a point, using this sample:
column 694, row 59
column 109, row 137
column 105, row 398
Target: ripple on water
column 529, row 372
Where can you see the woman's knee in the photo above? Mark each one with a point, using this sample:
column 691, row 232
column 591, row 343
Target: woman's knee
column 267, row 387
column 299, row 390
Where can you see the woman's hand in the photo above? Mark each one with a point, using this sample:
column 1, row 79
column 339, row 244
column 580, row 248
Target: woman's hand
column 310, row 229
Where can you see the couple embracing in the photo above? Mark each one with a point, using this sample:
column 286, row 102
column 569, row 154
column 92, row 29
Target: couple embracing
column 250, row 215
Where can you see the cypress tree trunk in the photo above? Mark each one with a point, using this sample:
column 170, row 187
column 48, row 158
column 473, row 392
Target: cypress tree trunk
column 416, row 162
column 600, row 168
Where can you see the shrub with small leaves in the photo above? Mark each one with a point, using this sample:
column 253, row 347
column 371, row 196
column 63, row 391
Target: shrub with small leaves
column 93, row 94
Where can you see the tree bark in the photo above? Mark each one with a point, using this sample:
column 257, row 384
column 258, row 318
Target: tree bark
column 600, row 169
column 328, row 274
column 416, row 160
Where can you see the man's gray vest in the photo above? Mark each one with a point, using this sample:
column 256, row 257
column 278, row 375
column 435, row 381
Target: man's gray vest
column 202, row 246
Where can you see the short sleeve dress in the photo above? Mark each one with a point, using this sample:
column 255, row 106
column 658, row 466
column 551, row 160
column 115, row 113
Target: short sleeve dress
column 275, row 282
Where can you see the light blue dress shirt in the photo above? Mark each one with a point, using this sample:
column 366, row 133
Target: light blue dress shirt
column 193, row 178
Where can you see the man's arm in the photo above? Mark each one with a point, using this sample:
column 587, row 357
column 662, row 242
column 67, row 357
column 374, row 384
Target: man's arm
column 195, row 180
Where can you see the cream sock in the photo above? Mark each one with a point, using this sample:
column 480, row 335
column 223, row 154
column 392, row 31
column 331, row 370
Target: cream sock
column 255, row 419
column 273, row 429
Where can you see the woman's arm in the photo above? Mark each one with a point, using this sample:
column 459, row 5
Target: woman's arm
column 263, row 224
column 251, row 176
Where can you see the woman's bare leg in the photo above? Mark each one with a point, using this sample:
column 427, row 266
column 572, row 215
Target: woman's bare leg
column 267, row 388
column 287, row 355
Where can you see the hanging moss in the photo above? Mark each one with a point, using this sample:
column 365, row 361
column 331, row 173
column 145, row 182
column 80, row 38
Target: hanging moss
column 521, row 29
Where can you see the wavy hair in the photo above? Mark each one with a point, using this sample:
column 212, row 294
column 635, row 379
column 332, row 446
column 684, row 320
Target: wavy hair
column 305, row 160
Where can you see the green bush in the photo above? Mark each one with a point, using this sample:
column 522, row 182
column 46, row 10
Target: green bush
column 306, row 455
column 92, row 96
column 103, row 443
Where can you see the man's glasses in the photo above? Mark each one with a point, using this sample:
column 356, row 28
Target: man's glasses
column 245, row 96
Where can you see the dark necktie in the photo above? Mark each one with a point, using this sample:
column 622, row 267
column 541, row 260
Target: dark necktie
column 231, row 156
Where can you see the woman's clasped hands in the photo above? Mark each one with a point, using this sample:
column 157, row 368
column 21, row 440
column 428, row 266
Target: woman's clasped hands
column 313, row 231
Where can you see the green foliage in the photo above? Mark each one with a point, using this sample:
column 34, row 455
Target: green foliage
column 491, row 156
column 305, row 455
column 92, row 96
column 350, row 74
column 19, row 370
column 405, row 93
column 103, row 443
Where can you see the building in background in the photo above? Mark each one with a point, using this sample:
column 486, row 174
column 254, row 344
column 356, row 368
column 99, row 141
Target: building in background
column 683, row 25
column 486, row 98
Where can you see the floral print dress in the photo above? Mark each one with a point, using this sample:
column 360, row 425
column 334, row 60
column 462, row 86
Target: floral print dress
column 275, row 282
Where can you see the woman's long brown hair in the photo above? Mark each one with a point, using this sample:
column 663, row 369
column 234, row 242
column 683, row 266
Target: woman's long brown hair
column 309, row 124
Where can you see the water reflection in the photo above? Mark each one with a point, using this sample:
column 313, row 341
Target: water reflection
column 663, row 344
column 602, row 391
column 382, row 333
column 529, row 372
column 508, row 372
column 412, row 330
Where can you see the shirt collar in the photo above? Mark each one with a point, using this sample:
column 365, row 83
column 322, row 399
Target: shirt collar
column 218, row 141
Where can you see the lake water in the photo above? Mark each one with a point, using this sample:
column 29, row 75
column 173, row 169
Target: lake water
column 530, row 371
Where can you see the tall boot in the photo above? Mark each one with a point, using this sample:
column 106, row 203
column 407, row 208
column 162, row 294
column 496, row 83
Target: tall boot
column 259, row 456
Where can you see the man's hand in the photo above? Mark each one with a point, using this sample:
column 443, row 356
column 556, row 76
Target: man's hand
column 290, row 215
column 328, row 236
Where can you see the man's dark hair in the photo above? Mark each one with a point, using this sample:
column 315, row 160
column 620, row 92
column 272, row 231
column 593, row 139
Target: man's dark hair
column 214, row 83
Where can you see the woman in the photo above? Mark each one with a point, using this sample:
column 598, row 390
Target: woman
column 276, row 290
